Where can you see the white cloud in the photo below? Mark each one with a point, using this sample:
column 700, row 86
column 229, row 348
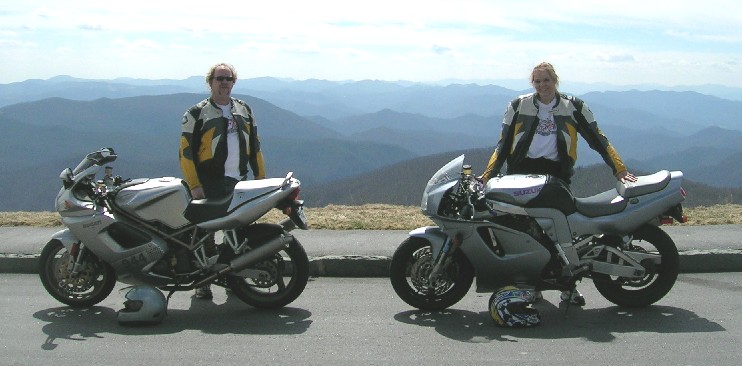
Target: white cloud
column 622, row 42
column 615, row 57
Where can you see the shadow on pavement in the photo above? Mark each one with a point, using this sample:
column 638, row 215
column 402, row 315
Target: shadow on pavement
column 595, row 325
column 230, row 317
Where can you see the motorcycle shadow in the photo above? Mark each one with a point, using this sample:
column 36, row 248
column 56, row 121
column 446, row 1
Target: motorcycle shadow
column 596, row 325
column 211, row 317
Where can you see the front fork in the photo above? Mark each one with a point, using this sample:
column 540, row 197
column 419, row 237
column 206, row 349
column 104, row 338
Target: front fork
column 442, row 260
column 77, row 252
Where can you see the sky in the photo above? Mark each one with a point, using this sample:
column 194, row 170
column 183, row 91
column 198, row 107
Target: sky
column 617, row 42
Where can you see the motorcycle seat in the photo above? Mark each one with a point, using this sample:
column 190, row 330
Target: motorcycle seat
column 644, row 184
column 601, row 204
column 202, row 210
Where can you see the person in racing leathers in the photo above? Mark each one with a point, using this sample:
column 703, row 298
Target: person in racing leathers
column 539, row 136
column 219, row 139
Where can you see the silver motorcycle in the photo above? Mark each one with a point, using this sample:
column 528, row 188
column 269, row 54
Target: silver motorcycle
column 150, row 231
column 531, row 232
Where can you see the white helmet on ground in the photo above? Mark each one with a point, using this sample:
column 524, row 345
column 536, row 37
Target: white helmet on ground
column 144, row 305
column 511, row 307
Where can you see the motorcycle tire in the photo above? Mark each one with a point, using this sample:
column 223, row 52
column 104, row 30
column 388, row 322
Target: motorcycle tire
column 94, row 282
column 658, row 280
column 274, row 292
column 409, row 272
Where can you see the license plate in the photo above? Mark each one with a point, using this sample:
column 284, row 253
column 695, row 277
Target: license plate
column 299, row 218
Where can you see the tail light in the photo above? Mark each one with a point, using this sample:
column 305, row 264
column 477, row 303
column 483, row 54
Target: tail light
column 292, row 198
column 674, row 213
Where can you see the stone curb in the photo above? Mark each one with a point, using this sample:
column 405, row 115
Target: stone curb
column 693, row 261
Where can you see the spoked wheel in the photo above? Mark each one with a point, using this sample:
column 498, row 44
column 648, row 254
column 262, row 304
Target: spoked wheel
column 282, row 279
column 410, row 275
column 90, row 283
column 659, row 278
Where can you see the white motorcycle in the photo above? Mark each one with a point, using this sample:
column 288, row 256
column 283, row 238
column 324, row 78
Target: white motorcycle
column 529, row 231
column 149, row 231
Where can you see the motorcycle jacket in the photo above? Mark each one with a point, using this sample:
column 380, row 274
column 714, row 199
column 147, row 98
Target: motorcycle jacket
column 571, row 115
column 203, row 142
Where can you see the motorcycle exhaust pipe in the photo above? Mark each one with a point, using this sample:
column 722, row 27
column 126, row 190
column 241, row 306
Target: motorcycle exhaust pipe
column 249, row 258
column 271, row 247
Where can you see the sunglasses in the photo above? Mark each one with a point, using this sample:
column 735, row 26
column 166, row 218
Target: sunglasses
column 223, row 78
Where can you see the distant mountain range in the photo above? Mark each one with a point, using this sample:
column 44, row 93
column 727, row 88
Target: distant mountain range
column 358, row 142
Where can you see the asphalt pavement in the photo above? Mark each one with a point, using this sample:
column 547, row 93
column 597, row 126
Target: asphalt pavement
column 366, row 253
column 361, row 321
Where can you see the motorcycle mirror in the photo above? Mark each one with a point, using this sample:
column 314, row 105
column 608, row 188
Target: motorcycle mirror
column 66, row 177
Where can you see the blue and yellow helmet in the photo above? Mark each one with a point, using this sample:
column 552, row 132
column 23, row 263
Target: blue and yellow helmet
column 511, row 307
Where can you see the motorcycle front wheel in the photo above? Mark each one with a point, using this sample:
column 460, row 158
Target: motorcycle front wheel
column 659, row 278
column 284, row 277
column 90, row 283
column 410, row 270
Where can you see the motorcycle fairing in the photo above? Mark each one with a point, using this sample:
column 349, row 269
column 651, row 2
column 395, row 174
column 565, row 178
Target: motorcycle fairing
column 537, row 191
column 517, row 189
column 445, row 178
column 515, row 254
column 250, row 201
column 94, row 232
column 157, row 199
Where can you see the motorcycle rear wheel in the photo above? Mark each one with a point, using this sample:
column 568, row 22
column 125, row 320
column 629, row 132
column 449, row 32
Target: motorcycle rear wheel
column 658, row 280
column 93, row 283
column 273, row 291
column 409, row 273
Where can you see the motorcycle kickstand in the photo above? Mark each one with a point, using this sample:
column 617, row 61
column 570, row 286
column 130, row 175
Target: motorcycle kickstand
column 569, row 302
column 170, row 294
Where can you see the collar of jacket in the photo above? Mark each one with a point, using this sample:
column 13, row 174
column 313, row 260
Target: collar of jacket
column 213, row 102
column 534, row 97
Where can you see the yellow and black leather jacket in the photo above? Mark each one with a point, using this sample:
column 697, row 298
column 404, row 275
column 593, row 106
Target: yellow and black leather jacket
column 571, row 115
column 203, row 142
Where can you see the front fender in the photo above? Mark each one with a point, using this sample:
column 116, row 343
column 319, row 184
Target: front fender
column 434, row 235
column 66, row 237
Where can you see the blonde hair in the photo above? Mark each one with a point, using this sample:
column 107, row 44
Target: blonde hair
column 545, row 66
column 212, row 70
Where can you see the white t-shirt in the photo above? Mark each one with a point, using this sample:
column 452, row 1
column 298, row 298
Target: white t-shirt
column 232, row 164
column 544, row 143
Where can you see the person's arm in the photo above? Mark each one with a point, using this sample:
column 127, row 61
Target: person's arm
column 587, row 126
column 257, row 163
column 504, row 145
column 187, row 155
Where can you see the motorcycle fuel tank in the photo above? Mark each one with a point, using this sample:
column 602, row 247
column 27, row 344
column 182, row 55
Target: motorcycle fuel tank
column 156, row 199
column 516, row 189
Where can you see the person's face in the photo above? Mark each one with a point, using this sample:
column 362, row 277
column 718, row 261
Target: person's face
column 544, row 85
column 222, row 82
